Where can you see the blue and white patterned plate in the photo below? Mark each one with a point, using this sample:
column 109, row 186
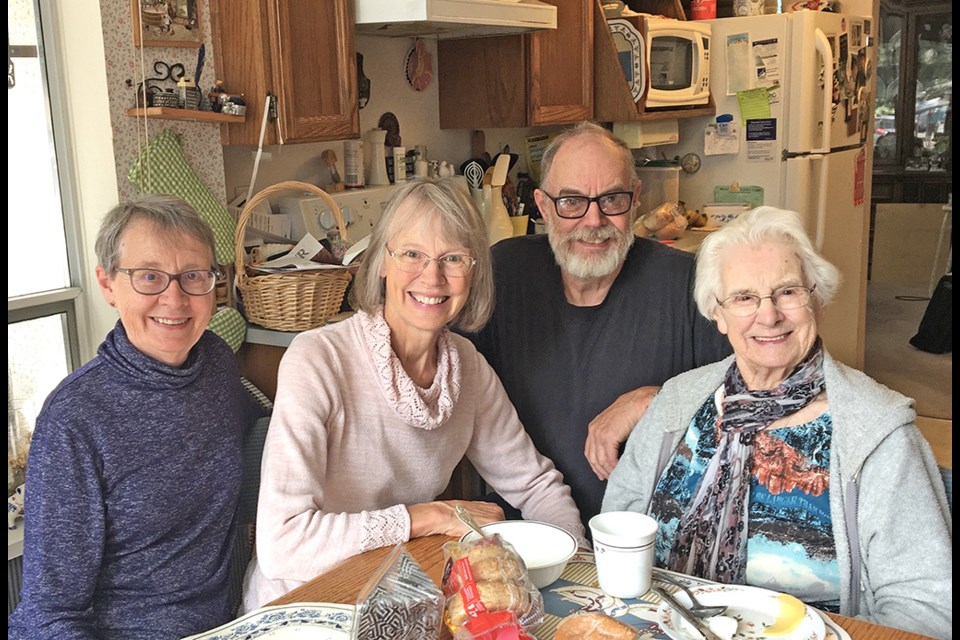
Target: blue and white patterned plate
column 301, row 621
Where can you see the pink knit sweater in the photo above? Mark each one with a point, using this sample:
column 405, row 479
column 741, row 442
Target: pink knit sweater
column 353, row 439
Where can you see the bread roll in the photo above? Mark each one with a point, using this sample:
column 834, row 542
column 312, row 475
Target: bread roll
column 594, row 626
column 488, row 561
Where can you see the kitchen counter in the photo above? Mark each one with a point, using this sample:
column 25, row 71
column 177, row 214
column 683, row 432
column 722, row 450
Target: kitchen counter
column 271, row 337
column 689, row 240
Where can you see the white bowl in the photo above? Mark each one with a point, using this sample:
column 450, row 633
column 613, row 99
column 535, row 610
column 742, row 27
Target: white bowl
column 545, row 549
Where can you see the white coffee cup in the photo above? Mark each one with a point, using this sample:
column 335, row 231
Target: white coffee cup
column 623, row 550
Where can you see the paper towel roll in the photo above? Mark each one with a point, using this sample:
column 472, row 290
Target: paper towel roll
column 648, row 134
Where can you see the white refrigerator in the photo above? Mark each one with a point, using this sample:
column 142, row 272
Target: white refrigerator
column 781, row 77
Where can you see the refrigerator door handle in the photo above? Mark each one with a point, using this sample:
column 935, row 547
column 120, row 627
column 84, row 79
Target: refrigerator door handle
column 822, row 202
column 826, row 53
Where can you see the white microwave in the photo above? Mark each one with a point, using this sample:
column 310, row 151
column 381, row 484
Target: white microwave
column 678, row 62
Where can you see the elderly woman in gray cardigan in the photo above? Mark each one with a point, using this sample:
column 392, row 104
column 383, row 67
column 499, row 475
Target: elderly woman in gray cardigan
column 780, row 467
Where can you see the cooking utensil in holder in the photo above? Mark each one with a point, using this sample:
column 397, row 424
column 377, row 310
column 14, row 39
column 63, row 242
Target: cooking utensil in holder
column 294, row 301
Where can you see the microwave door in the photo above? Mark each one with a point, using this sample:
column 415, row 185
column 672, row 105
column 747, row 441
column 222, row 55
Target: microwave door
column 677, row 63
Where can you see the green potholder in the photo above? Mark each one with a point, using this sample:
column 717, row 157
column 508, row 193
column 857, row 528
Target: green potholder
column 229, row 325
column 162, row 168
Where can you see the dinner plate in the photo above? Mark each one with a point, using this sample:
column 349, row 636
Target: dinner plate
column 630, row 52
column 761, row 614
column 301, row 621
column 834, row 631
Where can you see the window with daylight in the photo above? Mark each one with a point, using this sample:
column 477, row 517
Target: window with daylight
column 43, row 278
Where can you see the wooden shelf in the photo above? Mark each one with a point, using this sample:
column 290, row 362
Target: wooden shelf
column 190, row 115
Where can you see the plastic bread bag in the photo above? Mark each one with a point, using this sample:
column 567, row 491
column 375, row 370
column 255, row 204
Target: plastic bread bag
column 488, row 590
column 400, row 602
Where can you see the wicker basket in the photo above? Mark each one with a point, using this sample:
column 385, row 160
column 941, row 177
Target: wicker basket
column 294, row 301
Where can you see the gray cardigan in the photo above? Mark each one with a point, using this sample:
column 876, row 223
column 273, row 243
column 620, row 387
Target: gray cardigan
column 891, row 524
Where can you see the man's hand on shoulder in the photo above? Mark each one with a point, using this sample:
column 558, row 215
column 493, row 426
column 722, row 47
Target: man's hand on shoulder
column 612, row 427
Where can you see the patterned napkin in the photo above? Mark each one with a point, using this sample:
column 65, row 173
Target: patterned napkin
column 399, row 602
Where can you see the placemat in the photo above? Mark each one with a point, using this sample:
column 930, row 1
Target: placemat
column 578, row 590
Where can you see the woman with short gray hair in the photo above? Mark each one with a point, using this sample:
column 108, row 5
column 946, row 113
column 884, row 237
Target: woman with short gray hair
column 134, row 470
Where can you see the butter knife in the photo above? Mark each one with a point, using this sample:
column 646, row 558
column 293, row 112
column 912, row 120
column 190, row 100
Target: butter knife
column 694, row 621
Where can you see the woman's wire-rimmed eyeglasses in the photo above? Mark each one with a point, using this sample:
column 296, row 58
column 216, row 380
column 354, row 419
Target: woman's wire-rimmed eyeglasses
column 784, row 298
column 452, row 264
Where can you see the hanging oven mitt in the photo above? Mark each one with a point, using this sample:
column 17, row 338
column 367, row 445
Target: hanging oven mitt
column 162, row 168
column 229, row 325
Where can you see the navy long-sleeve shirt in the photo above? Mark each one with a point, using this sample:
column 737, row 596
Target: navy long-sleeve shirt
column 131, row 489
column 562, row 365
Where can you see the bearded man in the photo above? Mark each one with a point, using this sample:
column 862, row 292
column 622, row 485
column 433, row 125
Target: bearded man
column 590, row 320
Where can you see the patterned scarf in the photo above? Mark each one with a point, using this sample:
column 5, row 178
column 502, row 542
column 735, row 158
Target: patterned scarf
column 711, row 536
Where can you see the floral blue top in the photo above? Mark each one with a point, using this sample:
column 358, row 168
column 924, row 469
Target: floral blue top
column 790, row 544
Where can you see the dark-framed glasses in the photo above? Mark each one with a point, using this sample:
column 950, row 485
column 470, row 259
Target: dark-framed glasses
column 784, row 298
column 456, row 265
column 152, row 282
column 615, row 203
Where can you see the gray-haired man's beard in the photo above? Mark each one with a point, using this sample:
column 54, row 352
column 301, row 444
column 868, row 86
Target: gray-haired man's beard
column 595, row 265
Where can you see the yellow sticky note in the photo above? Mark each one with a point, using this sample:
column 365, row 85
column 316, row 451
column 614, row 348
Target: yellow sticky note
column 754, row 104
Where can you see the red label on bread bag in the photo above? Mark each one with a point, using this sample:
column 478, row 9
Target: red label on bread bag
column 472, row 603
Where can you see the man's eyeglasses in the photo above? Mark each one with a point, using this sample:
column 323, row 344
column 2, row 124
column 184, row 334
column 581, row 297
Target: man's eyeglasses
column 455, row 265
column 784, row 298
column 152, row 282
column 615, row 203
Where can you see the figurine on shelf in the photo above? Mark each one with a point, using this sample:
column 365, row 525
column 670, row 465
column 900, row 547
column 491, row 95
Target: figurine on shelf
column 233, row 105
column 216, row 91
column 329, row 159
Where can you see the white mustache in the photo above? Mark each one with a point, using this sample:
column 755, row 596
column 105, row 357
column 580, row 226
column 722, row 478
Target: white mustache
column 597, row 234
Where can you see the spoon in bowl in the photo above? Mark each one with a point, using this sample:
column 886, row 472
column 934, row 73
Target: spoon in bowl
column 696, row 608
column 464, row 516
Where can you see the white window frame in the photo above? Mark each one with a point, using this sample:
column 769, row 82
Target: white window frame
column 69, row 300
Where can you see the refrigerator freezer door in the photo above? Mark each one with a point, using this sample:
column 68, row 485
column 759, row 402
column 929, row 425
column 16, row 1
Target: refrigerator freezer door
column 843, row 228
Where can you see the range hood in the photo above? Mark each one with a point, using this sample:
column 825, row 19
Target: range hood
column 447, row 19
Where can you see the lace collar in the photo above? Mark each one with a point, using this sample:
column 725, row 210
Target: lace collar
column 422, row 408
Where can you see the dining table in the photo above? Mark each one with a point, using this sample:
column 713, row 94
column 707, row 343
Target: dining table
column 344, row 583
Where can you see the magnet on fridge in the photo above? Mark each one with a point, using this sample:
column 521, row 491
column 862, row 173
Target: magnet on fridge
column 723, row 124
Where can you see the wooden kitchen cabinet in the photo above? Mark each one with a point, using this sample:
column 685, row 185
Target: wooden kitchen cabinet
column 550, row 77
column 540, row 78
column 302, row 52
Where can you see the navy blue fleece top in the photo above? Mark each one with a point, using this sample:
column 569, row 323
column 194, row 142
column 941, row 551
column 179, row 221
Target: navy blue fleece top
column 131, row 489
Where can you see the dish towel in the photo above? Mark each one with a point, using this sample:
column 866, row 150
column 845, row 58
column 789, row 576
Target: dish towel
column 162, row 168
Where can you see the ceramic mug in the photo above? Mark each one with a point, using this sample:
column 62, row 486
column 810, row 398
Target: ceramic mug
column 623, row 550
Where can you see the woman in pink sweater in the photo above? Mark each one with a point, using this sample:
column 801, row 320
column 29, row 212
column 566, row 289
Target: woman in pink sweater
column 373, row 414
